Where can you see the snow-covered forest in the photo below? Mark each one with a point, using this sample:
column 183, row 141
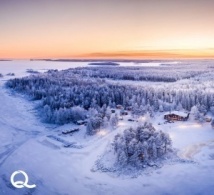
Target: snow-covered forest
column 125, row 155
column 166, row 73
column 76, row 94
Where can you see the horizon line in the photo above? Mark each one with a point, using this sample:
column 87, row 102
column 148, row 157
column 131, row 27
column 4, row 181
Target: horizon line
column 129, row 55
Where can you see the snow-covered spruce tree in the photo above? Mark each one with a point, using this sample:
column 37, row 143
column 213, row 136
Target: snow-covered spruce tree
column 89, row 128
column 197, row 114
column 47, row 113
column 105, row 122
column 212, row 123
column 212, row 110
column 140, row 146
column 94, row 124
column 113, row 121
column 194, row 111
column 77, row 113
column 201, row 118
column 108, row 113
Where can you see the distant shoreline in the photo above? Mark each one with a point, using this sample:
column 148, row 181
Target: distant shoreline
column 99, row 60
column 103, row 64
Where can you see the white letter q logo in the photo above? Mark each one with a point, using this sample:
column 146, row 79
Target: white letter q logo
column 21, row 184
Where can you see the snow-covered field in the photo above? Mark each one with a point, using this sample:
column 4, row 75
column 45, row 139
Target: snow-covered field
column 29, row 145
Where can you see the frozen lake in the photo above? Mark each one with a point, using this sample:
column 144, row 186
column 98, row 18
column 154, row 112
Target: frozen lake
column 19, row 67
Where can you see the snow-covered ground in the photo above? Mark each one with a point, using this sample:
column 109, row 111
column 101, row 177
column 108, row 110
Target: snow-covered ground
column 20, row 66
column 29, row 145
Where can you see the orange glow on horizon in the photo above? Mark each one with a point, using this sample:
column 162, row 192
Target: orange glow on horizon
column 149, row 54
column 107, row 29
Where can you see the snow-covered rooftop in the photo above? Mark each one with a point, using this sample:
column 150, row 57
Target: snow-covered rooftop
column 179, row 113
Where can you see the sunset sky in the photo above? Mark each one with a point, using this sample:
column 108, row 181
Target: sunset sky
column 106, row 29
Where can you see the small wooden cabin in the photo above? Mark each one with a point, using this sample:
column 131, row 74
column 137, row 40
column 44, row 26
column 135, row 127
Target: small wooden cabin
column 113, row 111
column 176, row 116
column 81, row 122
column 119, row 106
column 70, row 131
column 129, row 108
column 207, row 119
column 123, row 112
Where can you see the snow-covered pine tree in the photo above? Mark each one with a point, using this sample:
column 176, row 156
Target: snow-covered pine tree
column 212, row 123
column 113, row 121
column 89, row 128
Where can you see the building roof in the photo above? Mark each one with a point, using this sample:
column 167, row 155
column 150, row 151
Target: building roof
column 179, row 113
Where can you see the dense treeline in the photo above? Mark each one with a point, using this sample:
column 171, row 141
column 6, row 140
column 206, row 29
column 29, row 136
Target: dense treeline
column 157, row 74
column 67, row 96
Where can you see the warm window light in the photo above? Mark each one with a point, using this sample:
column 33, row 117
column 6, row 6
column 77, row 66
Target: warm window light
column 121, row 123
column 143, row 118
column 196, row 125
column 102, row 133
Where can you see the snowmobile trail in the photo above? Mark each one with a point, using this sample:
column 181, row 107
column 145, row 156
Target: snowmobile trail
column 14, row 124
column 191, row 151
